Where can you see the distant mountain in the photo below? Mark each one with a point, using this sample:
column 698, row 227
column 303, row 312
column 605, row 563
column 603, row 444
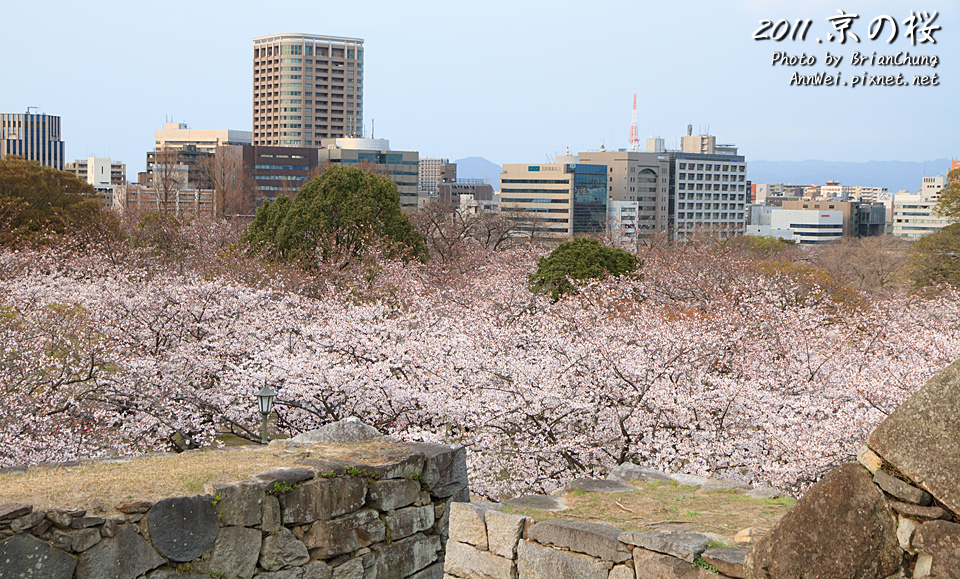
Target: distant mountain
column 894, row 175
column 479, row 168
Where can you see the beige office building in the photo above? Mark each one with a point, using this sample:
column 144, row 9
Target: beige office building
column 638, row 191
column 306, row 88
column 179, row 136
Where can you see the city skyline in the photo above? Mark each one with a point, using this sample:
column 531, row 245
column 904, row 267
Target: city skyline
column 510, row 83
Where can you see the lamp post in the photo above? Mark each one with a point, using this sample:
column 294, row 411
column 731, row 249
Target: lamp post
column 265, row 399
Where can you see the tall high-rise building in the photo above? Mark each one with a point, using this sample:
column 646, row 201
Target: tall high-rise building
column 33, row 136
column 306, row 88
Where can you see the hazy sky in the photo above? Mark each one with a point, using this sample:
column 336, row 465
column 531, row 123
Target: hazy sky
column 509, row 81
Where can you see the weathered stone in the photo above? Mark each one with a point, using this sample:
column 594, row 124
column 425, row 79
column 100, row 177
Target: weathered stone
column 125, row 556
column 721, row 484
column 597, row 486
column 594, row 539
column 326, row 539
column 744, row 536
column 764, row 493
column 901, row 490
column 11, row 511
column 689, row 480
column 344, row 431
column 622, row 572
column 504, row 531
column 387, row 495
column 323, row 468
column 282, row 550
column 322, row 499
column 109, row 528
column 468, row 562
column 441, row 511
column 234, row 553
column 539, row 502
column 317, row 570
column 282, row 478
column 27, row 521
column 86, row 522
column 467, row 524
column 83, row 539
column 869, row 459
column 182, row 528
column 26, row 557
column 686, row 546
column 237, row 505
column 405, row 522
column 352, row 569
column 629, row 472
column 918, row 511
column 842, row 528
column 940, row 541
column 60, row 518
column 391, row 463
column 434, row 571
column 536, row 561
column 922, row 437
column 403, row 558
column 296, row 573
column 444, row 468
column 270, row 519
column 650, row 565
column 905, row 529
column 41, row 528
column 728, row 561
column 132, row 507
column 173, row 574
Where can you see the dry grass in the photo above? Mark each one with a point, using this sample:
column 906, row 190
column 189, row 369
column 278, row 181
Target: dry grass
column 723, row 513
column 98, row 487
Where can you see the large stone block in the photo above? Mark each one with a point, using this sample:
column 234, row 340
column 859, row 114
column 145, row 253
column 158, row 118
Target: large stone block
column 535, row 561
column 434, row 571
column 403, row 558
column 504, row 531
column 317, row 570
column 125, row 556
column 444, row 469
column 629, row 472
column 650, row 565
column 468, row 562
column 467, row 524
column 686, row 546
column 234, row 554
column 405, row 522
column 281, row 550
column 182, row 528
column 343, row 431
column 270, row 520
column 26, row 557
column 322, row 499
column 594, row 539
column 327, row 539
column 922, row 437
column 841, row 529
column 387, row 495
column 939, row 545
column 237, row 505
column 390, row 463
column 901, row 490
column 728, row 561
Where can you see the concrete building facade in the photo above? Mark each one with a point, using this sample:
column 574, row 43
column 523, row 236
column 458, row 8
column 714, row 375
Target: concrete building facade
column 638, row 191
column 107, row 177
column 33, row 136
column 432, row 173
column 709, row 191
column 178, row 136
column 556, row 200
column 306, row 88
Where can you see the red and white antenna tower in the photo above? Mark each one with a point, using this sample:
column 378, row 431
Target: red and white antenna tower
column 634, row 133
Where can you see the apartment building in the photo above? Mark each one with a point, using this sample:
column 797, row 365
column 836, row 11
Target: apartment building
column 33, row 136
column 556, row 200
column 432, row 173
column 106, row 177
column 306, row 88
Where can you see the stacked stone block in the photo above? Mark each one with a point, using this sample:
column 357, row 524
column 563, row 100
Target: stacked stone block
column 342, row 519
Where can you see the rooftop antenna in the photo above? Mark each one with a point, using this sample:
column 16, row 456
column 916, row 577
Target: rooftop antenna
column 634, row 133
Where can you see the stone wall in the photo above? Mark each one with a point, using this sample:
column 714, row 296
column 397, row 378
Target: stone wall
column 338, row 519
column 486, row 543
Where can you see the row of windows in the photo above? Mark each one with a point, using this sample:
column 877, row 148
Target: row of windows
column 712, row 167
column 557, row 181
column 716, row 187
column 720, row 216
column 283, row 167
column 536, row 200
column 709, row 177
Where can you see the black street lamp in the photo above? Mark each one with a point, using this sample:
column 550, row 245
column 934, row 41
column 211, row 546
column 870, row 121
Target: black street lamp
column 265, row 399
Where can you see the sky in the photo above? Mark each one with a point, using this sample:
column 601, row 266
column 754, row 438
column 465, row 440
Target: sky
column 514, row 82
